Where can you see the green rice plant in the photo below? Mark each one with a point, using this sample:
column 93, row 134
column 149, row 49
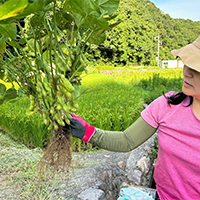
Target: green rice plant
column 114, row 108
column 133, row 76
column 104, row 67
column 157, row 84
column 96, row 79
column 27, row 129
column 114, row 104
column 111, row 106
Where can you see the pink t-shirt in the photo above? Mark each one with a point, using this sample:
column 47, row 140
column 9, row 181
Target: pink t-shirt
column 177, row 171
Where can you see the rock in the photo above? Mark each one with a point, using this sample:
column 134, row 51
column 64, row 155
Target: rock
column 91, row 194
column 122, row 165
column 148, row 149
column 135, row 155
column 102, row 186
column 142, row 164
column 109, row 196
column 104, row 175
column 135, row 176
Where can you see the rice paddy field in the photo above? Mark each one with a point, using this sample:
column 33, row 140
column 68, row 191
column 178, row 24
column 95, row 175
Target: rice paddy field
column 111, row 99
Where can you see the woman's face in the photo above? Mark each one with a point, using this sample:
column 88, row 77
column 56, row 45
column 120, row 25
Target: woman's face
column 191, row 82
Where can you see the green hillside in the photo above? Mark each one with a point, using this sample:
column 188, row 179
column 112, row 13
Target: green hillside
column 133, row 40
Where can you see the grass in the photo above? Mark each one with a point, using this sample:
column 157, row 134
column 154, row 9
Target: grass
column 16, row 163
column 18, row 177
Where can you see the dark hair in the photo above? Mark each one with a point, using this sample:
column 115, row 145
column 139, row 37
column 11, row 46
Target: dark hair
column 177, row 98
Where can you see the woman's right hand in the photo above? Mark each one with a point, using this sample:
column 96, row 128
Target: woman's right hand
column 79, row 128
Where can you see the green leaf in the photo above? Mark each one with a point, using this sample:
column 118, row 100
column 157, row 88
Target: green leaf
column 96, row 22
column 2, row 89
column 83, row 7
column 8, row 30
column 1, row 101
column 32, row 6
column 10, row 94
column 78, row 19
column 93, row 21
column 97, row 37
column 7, row 94
column 12, row 8
column 2, row 46
column 67, row 17
column 22, row 41
column 36, row 6
column 14, row 44
column 108, row 6
column 89, row 11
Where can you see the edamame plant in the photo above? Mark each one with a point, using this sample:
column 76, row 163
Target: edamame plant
column 42, row 45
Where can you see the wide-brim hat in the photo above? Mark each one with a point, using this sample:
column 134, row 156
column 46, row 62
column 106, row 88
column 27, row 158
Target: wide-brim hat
column 189, row 54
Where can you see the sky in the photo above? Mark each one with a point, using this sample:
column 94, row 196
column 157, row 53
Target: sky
column 185, row 9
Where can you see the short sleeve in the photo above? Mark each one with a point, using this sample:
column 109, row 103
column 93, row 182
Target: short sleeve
column 153, row 113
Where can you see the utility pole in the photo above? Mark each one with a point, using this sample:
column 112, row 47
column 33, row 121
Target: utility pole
column 158, row 39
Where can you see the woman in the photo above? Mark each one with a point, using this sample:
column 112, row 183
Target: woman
column 177, row 118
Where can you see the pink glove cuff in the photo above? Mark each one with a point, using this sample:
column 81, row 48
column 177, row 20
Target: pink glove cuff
column 90, row 130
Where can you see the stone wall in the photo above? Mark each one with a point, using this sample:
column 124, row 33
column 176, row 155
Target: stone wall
column 107, row 172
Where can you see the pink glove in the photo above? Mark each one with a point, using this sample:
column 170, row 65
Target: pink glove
column 79, row 128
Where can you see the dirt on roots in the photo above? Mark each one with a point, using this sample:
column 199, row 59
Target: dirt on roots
column 58, row 156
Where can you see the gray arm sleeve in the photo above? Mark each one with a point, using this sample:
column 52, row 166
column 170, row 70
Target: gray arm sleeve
column 124, row 141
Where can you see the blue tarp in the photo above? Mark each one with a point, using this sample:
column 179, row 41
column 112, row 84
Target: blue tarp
column 131, row 193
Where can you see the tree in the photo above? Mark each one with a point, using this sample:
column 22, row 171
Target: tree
column 132, row 41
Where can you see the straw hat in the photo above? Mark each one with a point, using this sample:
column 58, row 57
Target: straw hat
column 189, row 54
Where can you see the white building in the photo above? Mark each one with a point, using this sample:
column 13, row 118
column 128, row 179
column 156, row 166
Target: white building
column 170, row 64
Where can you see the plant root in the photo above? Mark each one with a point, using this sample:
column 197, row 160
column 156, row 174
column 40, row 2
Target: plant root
column 57, row 156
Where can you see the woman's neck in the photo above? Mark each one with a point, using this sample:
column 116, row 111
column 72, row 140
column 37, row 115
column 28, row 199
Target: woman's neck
column 196, row 107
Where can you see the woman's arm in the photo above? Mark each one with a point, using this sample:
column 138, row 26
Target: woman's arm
column 124, row 141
